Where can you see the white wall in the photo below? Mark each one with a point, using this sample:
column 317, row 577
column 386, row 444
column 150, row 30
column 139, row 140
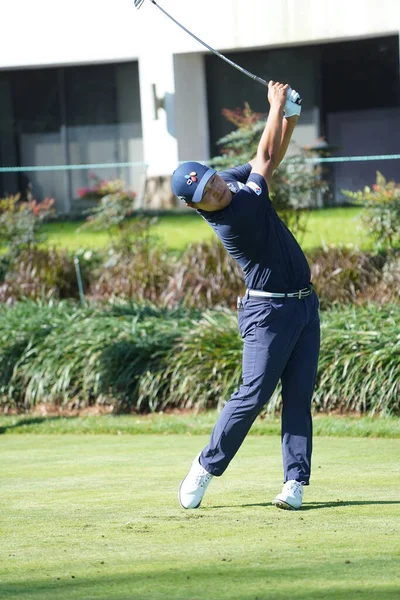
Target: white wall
column 190, row 110
column 160, row 147
column 45, row 32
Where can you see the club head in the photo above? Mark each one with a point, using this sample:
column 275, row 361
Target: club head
column 138, row 3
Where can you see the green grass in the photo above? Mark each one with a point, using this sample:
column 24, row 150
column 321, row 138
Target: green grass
column 96, row 518
column 328, row 226
column 337, row 226
column 191, row 424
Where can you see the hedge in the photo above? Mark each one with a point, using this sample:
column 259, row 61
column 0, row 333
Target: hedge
column 141, row 358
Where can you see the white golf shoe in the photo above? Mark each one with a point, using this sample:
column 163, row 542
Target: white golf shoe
column 194, row 485
column 291, row 497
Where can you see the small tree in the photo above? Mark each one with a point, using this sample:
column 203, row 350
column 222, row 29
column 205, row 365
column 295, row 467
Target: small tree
column 381, row 211
column 20, row 222
column 295, row 184
column 115, row 206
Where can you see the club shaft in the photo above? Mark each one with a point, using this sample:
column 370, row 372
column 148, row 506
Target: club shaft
column 227, row 60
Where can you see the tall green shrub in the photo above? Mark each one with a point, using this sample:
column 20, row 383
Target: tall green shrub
column 20, row 221
column 144, row 358
column 381, row 214
column 115, row 206
column 42, row 274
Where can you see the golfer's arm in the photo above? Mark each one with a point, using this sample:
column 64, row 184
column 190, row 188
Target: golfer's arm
column 288, row 126
column 268, row 151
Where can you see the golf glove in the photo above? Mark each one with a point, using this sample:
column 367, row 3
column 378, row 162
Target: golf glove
column 291, row 108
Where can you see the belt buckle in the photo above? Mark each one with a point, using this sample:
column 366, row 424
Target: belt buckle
column 299, row 296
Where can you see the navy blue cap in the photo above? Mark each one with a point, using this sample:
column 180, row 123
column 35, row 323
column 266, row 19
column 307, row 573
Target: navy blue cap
column 189, row 180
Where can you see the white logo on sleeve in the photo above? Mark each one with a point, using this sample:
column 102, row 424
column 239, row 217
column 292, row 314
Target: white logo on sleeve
column 235, row 186
column 255, row 187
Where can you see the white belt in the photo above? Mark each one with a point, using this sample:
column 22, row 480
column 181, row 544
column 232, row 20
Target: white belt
column 299, row 294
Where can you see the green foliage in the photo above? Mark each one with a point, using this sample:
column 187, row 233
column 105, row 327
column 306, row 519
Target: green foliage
column 5, row 262
column 115, row 206
column 359, row 362
column 295, row 188
column 240, row 146
column 22, row 329
column 205, row 276
column 137, row 266
column 143, row 358
column 20, row 221
column 344, row 275
column 62, row 353
column 115, row 201
column 41, row 273
column 381, row 215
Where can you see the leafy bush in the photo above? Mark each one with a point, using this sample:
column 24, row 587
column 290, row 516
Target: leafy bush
column 100, row 188
column 205, row 276
column 19, row 222
column 41, row 274
column 5, row 262
column 381, row 215
column 115, row 205
column 344, row 275
column 295, row 188
column 67, row 355
column 137, row 267
column 359, row 361
column 144, row 358
column 240, row 145
column 22, row 328
column 203, row 368
column 358, row 368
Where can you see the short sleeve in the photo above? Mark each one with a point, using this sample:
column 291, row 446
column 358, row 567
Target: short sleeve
column 257, row 183
column 252, row 201
column 240, row 173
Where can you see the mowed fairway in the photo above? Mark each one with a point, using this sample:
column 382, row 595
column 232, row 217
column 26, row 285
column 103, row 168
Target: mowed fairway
column 96, row 517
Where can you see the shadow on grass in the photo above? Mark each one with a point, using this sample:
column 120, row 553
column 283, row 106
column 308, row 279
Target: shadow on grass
column 317, row 505
column 225, row 579
column 30, row 421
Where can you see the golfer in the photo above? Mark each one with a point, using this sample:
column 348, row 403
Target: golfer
column 278, row 316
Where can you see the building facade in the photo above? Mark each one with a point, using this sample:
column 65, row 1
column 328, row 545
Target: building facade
column 92, row 82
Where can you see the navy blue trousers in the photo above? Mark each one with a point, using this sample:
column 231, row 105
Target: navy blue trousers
column 281, row 342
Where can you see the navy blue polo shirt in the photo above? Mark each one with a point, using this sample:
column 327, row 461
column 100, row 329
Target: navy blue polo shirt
column 255, row 236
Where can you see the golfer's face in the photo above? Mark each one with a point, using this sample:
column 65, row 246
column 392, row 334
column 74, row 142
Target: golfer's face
column 216, row 195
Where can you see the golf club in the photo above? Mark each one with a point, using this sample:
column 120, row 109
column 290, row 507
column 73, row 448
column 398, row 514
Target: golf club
column 138, row 4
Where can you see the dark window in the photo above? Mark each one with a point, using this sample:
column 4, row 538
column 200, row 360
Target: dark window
column 36, row 100
column 360, row 74
column 91, row 95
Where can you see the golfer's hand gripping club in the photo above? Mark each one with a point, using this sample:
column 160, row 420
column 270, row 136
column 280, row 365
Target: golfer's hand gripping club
column 293, row 104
